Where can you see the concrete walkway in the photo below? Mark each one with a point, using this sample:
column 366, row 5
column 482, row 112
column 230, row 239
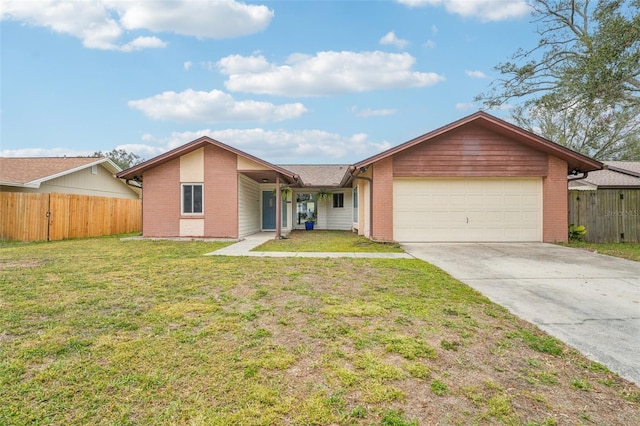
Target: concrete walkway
column 244, row 247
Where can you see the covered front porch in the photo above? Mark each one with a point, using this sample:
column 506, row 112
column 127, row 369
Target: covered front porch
column 296, row 208
column 270, row 200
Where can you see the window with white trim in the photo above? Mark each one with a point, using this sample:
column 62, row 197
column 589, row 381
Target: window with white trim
column 338, row 200
column 192, row 198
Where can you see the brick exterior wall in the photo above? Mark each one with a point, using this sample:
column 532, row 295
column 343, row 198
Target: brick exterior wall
column 162, row 192
column 555, row 202
column 383, row 200
column 161, row 200
column 220, row 193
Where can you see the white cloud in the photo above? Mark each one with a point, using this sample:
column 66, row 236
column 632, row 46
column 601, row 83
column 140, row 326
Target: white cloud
column 187, row 65
column 391, row 39
column 276, row 146
column 325, row 73
column 204, row 18
column 465, row 106
column 430, row 44
column 101, row 24
column 237, row 64
column 213, row 107
column 475, row 74
column 89, row 21
column 485, row 10
column 143, row 43
column 368, row 112
column 144, row 151
column 282, row 146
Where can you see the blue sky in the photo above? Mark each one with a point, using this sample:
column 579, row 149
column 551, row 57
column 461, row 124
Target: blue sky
column 287, row 81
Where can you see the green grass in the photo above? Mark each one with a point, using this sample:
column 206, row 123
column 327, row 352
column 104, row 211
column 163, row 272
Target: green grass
column 629, row 251
column 328, row 241
column 103, row 331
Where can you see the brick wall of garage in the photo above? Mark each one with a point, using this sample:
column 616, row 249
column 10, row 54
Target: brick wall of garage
column 555, row 205
column 161, row 200
column 383, row 200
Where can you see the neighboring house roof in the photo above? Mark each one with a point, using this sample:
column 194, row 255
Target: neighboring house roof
column 616, row 174
column 136, row 172
column 576, row 162
column 321, row 175
column 33, row 171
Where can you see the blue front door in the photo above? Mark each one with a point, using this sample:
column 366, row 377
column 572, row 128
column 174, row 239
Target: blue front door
column 268, row 210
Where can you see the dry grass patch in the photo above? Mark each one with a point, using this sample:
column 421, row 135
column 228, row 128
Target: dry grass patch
column 101, row 331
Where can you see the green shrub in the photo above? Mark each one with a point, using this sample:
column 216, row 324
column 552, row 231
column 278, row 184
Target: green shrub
column 577, row 232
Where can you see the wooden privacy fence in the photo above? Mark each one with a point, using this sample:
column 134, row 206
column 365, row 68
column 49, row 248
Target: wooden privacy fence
column 52, row 217
column 610, row 215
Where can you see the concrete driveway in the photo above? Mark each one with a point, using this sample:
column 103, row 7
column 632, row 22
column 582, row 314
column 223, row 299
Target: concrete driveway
column 588, row 300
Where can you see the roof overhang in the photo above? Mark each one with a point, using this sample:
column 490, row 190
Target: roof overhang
column 20, row 184
column 269, row 176
column 576, row 162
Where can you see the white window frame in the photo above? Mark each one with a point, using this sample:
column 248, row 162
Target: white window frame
column 191, row 184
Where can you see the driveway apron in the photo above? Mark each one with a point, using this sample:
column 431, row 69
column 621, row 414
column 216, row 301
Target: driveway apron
column 588, row 300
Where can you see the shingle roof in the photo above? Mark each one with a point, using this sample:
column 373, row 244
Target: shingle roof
column 322, row 175
column 615, row 177
column 633, row 166
column 20, row 170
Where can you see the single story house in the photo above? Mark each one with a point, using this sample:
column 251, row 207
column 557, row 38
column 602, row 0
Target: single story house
column 477, row 179
column 607, row 203
column 66, row 175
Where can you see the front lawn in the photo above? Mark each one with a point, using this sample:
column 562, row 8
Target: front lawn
column 103, row 331
column 629, row 251
column 327, row 241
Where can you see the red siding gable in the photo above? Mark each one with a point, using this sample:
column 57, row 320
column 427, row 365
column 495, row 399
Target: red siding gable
column 470, row 151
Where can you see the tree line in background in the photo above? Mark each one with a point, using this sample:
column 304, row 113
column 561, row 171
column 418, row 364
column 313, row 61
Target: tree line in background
column 580, row 85
column 121, row 157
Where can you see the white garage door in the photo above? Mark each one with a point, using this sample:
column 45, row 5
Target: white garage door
column 467, row 209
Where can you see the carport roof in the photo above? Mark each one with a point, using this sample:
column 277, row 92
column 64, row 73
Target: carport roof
column 576, row 162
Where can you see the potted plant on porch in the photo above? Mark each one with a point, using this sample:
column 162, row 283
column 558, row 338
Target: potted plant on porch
column 311, row 220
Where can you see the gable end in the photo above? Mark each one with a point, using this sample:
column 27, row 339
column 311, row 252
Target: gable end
column 471, row 150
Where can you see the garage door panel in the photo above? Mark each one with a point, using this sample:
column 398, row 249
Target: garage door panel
column 477, row 209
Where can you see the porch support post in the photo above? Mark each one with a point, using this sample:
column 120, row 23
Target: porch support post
column 278, row 209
